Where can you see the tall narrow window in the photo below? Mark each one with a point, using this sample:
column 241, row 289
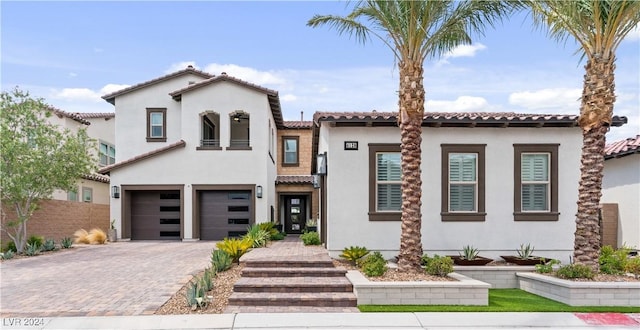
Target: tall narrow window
column 290, row 150
column 535, row 182
column 107, row 153
column 385, row 186
column 72, row 195
column 156, row 125
column 210, row 132
column 239, row 139
column 463, row 182
column 87, row 194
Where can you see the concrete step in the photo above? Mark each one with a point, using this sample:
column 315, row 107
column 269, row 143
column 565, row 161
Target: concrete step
column 289, row 263
column 318, row 299
column 293, row 284
column 293, row 272
column 289, row 309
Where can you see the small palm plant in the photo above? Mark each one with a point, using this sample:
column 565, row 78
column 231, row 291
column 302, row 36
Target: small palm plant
column 354, row 253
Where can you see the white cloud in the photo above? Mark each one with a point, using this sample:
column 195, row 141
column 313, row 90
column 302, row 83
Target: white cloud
column 634, row 35
column 462, row 51
column 110, row 88
column 85, row 94
column 552, row 100
column 461, row 104
column 73, row 74
column 180, row 66
column 288, row 98
column 246, row 73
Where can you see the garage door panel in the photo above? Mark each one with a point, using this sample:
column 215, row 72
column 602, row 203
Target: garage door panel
column 223, row 213
column 155, row 215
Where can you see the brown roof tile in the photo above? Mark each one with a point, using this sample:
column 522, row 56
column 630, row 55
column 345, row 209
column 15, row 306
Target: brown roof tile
column 294, row 179
column 272, row 95
column 622, row 148
column 189, row 70
column 152, row 153
column 466, row 119
column 70, row 115
column 97, row 177
column 297, row 124
column 90, row 115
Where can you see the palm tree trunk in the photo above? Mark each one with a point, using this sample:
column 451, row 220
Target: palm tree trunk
column 411, row 112
column 595, row 116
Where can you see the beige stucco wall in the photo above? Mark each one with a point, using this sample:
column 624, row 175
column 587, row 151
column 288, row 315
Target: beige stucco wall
column 621, row 185
column 347, row 194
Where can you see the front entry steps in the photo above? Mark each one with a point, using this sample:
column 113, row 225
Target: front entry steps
column 292, row 286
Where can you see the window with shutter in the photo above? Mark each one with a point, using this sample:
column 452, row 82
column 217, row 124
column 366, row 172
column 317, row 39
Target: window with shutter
column 385, row 182
column 463, row 182
column 535, row 182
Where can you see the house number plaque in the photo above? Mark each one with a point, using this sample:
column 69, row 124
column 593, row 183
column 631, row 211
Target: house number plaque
column 350, row 145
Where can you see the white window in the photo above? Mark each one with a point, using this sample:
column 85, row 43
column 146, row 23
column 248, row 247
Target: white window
column 290, row 150
column 388, row 181
column 87, row 194
column 107, row 153
column 463, row 182
column 157, row 129
column 535, row 181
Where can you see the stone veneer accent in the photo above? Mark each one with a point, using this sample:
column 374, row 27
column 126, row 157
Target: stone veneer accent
column 581, row 293
column 464, row 291
column 500, row 277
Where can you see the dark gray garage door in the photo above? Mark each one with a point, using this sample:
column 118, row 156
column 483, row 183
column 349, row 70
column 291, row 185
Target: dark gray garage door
column 155, row 215
column 224, row 213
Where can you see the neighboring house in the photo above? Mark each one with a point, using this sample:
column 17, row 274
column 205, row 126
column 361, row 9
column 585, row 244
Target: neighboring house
column 621, row 185
column 490, row 180
column 93, row 187
column 296, row 195
column 196, row 156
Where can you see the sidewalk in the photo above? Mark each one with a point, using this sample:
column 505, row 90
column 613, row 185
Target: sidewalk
column 339, row 321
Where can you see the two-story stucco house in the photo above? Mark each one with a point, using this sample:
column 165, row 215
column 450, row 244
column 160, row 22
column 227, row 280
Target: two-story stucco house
column 197, row 156
column 490, row 180
column 621, row 188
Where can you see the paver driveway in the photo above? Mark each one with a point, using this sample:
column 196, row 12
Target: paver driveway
column 124, row 278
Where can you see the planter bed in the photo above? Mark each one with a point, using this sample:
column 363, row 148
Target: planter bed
column 463, row 291
column 581, row 293
column 500, row 277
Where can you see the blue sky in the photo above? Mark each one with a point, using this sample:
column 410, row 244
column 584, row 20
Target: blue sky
column 71, row 53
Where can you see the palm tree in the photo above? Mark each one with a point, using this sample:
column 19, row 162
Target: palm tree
column 414, row 30
column 598, row 26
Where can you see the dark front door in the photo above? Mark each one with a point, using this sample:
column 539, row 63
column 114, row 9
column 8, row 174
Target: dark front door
column 295, row 214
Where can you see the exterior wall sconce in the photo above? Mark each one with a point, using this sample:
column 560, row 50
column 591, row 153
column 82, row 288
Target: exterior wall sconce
column 259, row 191
column 115, row 192
column 316, row 181
column 321, row 164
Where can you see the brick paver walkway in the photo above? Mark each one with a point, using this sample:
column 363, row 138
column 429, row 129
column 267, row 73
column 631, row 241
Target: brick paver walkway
column 124, row 278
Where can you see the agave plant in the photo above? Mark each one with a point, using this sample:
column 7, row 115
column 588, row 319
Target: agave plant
column 257, row 236
column 525, row 251
column 469, row 252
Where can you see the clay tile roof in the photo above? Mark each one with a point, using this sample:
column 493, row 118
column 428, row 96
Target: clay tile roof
column 622, row 148
column 298, row 124
column 189, row 70
column 152, row 153
column 61, row 113
column 97, row 177
column 272, row 95
column 90, row 115
column 465, row 119
column 294, row 179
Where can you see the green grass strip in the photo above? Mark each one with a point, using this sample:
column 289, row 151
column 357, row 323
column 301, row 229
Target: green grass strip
column 503, row 300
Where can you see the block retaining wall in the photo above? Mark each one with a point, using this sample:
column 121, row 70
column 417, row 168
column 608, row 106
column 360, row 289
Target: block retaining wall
column 500, row 277
column 463, row 291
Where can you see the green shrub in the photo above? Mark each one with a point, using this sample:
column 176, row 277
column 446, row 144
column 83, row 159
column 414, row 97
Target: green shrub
column 11, row 246
column 257, row 236
column 269, row 227
column 196, row 296
column 374, row 265
column 633, row 266
column 469, row 252
column 278, row 236
column 354, row 253
column 575, row 271
column 310, row 238
column 613, row 261
column 6, row 255
column 438, row 266
column 206, row 281
column 234, row 247
column 49, row 245
column 220, row 260
column 66, row 242
column 546, row 268
column 31, row 249
column 38, row 241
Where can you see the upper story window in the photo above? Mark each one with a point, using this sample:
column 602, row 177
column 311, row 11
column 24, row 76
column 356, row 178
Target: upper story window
column 156, row 124
column 87, row 194
column 535, row 182
column 239, row 131
column 209, row 131
column 385, row 185
column 107, row 153
column 290, row 152
column 463, row 182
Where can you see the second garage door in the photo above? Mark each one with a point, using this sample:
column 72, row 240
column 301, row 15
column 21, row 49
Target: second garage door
column 155, row 215
column 224, row 213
